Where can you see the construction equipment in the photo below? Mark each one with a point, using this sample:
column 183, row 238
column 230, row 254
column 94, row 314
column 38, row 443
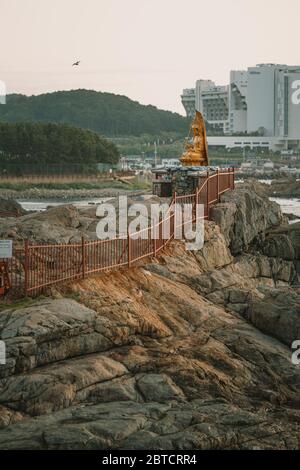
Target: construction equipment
column 5, row 283
column 197, row 152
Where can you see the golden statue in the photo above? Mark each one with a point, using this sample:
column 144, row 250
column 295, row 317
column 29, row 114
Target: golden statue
column 196, row 153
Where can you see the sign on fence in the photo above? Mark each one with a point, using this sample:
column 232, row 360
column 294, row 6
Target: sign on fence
column 6, row 248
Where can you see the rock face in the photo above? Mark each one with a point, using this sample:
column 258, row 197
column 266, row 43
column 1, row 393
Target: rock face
column 278, row 314
column 189, row 351
column 243, row 216
column 7, row 205
column 143, row 362
column 289, row 187
column 63, row 224
column 284, row 242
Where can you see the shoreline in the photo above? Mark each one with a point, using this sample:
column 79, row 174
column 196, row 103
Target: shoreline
column 56, row 195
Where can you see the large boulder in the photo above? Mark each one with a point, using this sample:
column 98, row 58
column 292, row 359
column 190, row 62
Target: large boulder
column 9, row 205
column 285, row 187
column 244, row 216
column 277, row 314
column 50, row 331
column 284, row 242
column 62, row 224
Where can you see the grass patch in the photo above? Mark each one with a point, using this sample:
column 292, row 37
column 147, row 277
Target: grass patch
column 72, row 295
column 18, row 304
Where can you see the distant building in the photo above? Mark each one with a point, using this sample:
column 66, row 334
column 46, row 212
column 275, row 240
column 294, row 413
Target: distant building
column 212, row 102
column 171, row 162
column 260, row 106
column 237, row 115
column 188, row 99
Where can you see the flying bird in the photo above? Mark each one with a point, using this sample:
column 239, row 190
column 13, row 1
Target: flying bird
column 76, row 63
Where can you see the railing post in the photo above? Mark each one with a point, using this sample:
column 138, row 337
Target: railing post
column 218, row 184
column 233, row 178
column 83, row 257
column 26, row 267
column 129, row 248
column 174, row 214
column 207, row 193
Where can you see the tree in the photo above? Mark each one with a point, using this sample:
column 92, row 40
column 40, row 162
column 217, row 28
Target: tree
column 36, row 143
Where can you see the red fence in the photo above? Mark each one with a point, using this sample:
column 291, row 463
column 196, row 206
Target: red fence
column 9, row 214
column 36, row 267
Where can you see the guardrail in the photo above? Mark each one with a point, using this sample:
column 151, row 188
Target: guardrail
column 4, row 214
column 36, row 267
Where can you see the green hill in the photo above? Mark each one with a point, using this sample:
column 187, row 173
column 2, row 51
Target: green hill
column 28, row 143
column 108, row 114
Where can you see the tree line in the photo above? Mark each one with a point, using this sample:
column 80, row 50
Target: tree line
column 36, row 143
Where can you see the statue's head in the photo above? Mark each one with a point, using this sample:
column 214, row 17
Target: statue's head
column 196, row 128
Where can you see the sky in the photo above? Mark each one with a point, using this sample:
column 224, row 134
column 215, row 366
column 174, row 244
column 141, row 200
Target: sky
column 148, row 50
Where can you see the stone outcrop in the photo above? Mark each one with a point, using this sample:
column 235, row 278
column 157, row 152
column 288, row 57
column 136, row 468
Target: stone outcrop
column 188, row 351
column 62, row 224
column 277, row 313
column 7, row 205
column 285, row 187
column 243, row 216
column 284, row 242
column 143, row 361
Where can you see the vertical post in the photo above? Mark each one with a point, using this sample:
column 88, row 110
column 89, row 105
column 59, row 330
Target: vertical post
column 129, row 248
column 26, row 267
column 233, row 178
column 174, row 214
column 207, row 193
column 83, row 256
column 154, row 244
column 218, row 184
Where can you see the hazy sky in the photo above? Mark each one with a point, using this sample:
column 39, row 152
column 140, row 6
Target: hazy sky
column 148, row 50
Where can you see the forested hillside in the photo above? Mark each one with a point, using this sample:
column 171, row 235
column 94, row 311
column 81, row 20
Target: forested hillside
column 31, row 143
column 108, row 114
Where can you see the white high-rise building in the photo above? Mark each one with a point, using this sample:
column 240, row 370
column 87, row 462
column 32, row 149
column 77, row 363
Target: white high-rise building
column 274, row 100
column 188, row 99
column 212, row 102
column 261, row 105
column 237, row 102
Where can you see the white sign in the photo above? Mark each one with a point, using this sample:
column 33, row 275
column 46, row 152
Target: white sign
column 6, row 248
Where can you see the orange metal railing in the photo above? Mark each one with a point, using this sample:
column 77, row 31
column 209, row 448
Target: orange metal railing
column 36, row 267
column 4, row 214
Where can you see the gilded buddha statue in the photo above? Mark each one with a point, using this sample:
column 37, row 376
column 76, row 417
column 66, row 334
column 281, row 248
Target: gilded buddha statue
column 196, row 153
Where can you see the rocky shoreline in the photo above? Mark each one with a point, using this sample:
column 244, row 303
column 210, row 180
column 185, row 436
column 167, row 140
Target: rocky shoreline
column 188, row 351
column 287, row 188
column 36, row 194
